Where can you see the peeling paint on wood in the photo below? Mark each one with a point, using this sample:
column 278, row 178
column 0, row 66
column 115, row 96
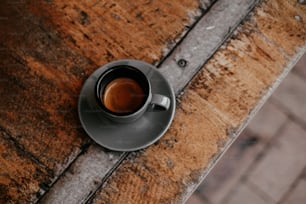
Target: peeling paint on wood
column 214, row 108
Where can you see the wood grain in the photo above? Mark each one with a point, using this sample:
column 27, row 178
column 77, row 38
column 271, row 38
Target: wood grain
column 48, row 49
column 21, row 175
column 215, row 107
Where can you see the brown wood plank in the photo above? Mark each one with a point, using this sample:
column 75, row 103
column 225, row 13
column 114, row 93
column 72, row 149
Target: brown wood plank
column 39, row 94
column 48, row 49
column 214, row 108
column 23, row 181
column 38, row 113
column 108, row 30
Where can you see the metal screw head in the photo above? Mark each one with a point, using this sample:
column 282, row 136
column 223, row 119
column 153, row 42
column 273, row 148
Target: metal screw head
column 182, row 63
column 298, row 18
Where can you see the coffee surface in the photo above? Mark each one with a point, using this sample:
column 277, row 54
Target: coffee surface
column 123, row 95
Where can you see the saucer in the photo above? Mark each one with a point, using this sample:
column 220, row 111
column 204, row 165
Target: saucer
column 129, row 136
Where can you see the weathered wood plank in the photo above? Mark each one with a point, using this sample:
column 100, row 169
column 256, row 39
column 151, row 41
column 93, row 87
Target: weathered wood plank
column 107, row 30
column 25, row 179
column 83, row 177
column 215, row 107
column 49, row 48
column 204, row 40
column 40, row 120
column 39, row 91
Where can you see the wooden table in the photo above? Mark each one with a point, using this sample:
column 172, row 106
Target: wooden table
column 223, row 58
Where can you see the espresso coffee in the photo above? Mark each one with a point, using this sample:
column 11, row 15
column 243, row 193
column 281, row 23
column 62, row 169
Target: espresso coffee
column 123, row 95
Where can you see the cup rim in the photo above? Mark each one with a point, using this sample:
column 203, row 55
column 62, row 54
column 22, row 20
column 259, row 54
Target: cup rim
column 98, row 91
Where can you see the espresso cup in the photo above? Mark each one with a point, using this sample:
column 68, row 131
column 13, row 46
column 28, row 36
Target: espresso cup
column 124, row 94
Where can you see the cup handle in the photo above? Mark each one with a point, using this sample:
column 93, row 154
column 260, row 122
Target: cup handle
column 159, row 103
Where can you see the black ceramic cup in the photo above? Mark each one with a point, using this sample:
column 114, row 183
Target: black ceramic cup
column 124, row 93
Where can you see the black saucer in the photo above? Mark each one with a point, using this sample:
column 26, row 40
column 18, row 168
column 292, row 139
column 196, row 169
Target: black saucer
column 131, row 136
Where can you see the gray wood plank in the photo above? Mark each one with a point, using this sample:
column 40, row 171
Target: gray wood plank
column 83, row 177
column 202, row 42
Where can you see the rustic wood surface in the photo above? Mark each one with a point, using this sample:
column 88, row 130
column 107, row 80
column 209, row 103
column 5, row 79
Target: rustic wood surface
column 48, row 49
column 214, row 108
column 81, row 180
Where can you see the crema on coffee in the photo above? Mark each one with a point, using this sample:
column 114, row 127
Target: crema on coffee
column 123, row 95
